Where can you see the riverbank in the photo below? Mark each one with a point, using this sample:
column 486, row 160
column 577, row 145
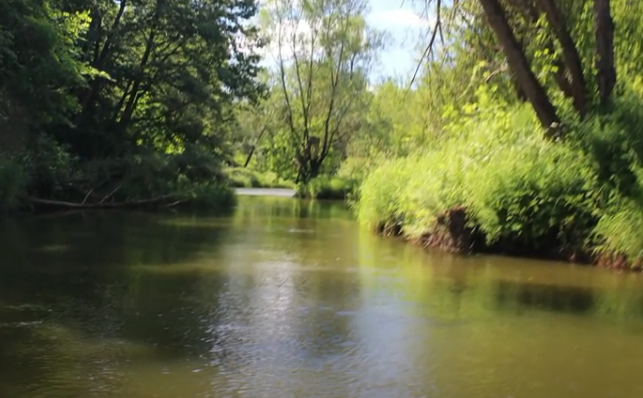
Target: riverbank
column 327, row 188
column 240, row 177
column 500, row 187
column 453, row 234
column 281, row 192
column 45, row 177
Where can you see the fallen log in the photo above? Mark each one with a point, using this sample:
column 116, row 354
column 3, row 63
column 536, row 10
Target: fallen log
column 163, row 201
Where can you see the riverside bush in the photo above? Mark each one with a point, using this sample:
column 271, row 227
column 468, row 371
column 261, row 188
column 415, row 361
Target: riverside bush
column 325, row 187
column 520, row 190
column 247, row 178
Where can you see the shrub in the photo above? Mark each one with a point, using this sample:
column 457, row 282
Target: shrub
column 247, row 178
column 619, row 230
column 211, row 196
column 327, row 188
column 49, row 166
column 516, row 187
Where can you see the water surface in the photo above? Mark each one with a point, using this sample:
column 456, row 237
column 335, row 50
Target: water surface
column 287, row 298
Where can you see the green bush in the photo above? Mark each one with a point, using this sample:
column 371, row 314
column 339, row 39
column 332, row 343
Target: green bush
column 211, row 196
column 50, row 172
column 50, row 168
column 619, row 230
column 327, row 188
column 247, row 178
column 357, row 168
column 516, row 187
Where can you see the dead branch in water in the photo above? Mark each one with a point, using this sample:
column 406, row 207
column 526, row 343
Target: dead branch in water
column 162, row 201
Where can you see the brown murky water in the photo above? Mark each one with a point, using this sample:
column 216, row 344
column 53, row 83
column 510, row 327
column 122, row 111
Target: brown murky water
column 287, row 298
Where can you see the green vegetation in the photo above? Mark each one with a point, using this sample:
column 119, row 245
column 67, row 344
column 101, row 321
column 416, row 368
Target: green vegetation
column 123, row 102
column 523, row 115
column 327, row 188
column 555, row 172
column 248, row 178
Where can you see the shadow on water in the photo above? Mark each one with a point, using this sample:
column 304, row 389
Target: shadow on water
column 289, row 298
column 68, row 282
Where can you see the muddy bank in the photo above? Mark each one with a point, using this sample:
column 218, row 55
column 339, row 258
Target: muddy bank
column 453, row 233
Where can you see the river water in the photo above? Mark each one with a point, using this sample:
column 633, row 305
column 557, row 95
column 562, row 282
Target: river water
column 288, row 298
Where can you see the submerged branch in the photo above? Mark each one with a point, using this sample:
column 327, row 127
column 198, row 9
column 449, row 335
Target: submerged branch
column 162, row 201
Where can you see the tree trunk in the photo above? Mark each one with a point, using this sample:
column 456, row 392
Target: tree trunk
column 254, row 147
column 519, row 65
column 315, row 169
column 560, row 76
column 604, row 29
column 133, row 96
column 252, row 151
column 531, row 14
column 571, row 58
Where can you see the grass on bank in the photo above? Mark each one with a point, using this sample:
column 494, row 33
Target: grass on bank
column 46, row 171
column 327, row 188
column 247, row 178
column 518, row 188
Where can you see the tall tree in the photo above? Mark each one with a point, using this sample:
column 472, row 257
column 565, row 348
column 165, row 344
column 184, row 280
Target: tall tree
column 170, row 70
column 519, row 64
column 604, row 28
column 324, row 51
column 570, row 67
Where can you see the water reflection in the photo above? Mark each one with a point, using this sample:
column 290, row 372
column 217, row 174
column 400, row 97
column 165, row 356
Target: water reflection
column 288, row 298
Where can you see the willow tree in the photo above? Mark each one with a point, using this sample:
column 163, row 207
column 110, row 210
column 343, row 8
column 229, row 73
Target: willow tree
column 323, row 51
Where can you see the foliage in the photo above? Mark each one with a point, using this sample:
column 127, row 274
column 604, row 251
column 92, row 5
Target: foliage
column 211, row 196
column 123, row 100
column 327, row 188
column 324, row 51
column 247, row 178
column 50, row 167
column 38, row 60
column 519, row 190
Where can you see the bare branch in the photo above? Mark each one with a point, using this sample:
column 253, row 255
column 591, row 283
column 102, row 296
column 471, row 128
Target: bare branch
column 282, row 75
column 437, row 28
column 304, row 107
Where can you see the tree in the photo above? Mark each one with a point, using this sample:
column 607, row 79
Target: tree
column 125, row 99
column 324, row 50
column 38, row 60
column 170, row 71
column 568, row 67
column 519, row 64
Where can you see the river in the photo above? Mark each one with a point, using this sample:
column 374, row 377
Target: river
column 287, row 298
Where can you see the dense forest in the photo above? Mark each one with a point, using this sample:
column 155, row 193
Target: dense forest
column 517, row 133
column 105, row 102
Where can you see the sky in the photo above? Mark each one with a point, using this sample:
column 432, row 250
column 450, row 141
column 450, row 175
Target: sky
column 403, row 21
